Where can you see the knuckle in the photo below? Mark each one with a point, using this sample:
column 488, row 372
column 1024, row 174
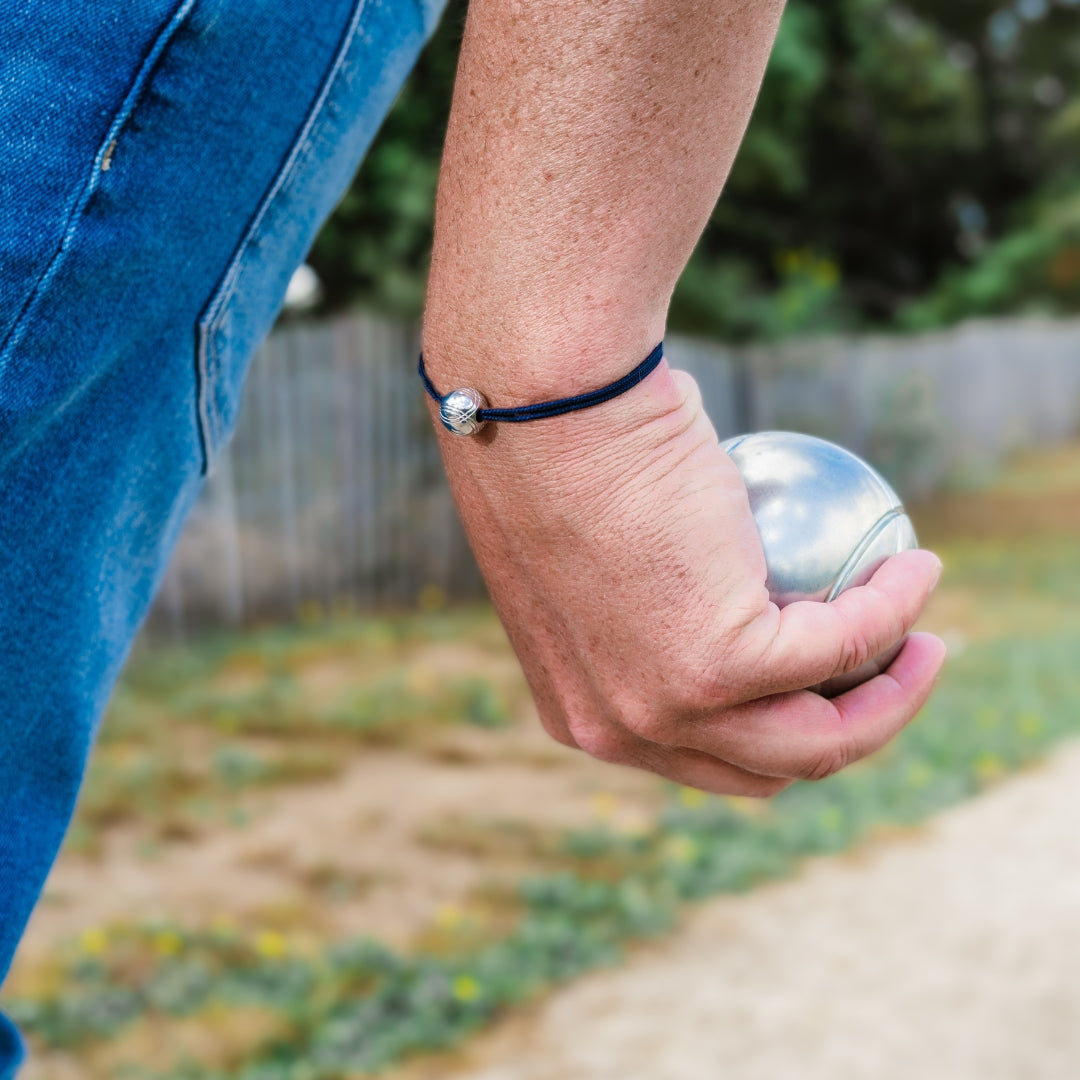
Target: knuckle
column 554, row 721
column 650, row 726
column 561, row 735
column 598, row 740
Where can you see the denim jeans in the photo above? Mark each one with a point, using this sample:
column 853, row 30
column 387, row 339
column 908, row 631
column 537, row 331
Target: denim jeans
column 165, row 167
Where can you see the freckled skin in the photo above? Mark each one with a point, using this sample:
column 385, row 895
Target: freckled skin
column 587, row 145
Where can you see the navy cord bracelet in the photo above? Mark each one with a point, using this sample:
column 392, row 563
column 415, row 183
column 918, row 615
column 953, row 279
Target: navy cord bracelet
column 465, row 411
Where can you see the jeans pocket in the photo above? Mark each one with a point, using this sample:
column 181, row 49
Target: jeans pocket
column 375, row 54
column 71, row 88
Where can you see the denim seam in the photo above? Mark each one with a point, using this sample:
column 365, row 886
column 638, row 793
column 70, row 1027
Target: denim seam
column 208, row 358
column 103, row 156
column 422, row 15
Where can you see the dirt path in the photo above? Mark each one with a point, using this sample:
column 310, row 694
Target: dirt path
column 952, row 953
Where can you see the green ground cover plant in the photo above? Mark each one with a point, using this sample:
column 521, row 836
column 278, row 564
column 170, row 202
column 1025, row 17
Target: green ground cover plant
column 273, row 707
column 352, row 1008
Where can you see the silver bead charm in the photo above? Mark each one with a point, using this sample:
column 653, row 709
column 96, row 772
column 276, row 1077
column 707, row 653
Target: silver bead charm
column 458, row 411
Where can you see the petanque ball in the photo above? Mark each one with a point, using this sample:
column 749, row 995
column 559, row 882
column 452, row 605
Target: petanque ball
column 827, row 521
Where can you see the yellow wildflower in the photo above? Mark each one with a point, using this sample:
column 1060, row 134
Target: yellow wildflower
column 271, row 945
column 603, row 805
column 168, row 943
column 826, row 273
column 466, row 988
column 94, row 942
column 681, row 849
column 989, row 767
column 1029, row 724
column 691, row 798
column 449, row 917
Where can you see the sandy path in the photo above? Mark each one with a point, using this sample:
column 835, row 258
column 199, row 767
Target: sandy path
column 950, row 954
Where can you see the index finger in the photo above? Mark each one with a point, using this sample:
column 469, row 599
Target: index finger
column 805, row 736
column 809, row 642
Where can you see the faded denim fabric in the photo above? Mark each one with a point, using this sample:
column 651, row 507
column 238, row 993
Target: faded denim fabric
column 165, row 167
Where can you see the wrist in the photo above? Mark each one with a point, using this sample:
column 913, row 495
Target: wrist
column 517, row 359
column 465, row 411
column 592, row 449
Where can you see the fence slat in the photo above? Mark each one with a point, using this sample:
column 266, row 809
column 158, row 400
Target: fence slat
column 333, row 489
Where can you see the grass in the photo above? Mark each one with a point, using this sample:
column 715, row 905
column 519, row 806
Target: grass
column 290, row 1006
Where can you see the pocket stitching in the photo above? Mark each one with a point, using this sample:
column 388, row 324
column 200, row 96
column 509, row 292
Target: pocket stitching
column 104, row 152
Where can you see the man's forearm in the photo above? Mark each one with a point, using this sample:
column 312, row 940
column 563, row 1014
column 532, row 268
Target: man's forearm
column 587, row 145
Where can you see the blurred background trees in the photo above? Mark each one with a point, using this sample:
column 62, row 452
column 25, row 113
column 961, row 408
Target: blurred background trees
column 907, row 166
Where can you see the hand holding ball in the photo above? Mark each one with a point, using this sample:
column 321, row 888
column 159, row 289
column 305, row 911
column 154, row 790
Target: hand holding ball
column 827, row 521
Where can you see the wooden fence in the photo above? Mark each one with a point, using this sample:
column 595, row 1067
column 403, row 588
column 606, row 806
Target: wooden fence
column 331, row 495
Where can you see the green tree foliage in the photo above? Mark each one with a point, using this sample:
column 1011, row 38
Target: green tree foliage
column 907, row 164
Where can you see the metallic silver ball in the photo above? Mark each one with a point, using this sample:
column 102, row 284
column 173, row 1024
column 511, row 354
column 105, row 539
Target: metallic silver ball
column 458, row 411
column 827, row 521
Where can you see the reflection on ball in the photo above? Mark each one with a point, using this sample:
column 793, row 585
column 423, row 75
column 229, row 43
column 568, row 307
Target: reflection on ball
column 827, row 521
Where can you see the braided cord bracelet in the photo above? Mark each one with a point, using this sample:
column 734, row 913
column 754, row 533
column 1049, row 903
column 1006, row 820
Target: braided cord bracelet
column 465, row 411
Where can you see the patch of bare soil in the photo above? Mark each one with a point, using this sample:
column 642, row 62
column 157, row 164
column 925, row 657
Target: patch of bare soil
column 949, row 954
column 378, row 851
column 1038, row 493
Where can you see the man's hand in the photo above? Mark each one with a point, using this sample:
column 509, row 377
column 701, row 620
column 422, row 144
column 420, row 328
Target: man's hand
column 620, row 552
column 587, row 145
